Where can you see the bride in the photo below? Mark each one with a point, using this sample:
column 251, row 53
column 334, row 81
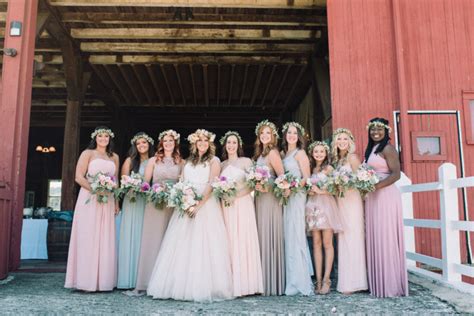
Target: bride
column 194, row 260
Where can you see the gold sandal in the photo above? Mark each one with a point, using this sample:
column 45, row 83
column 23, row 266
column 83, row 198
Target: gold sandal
column 326, row 288
column 317, row 287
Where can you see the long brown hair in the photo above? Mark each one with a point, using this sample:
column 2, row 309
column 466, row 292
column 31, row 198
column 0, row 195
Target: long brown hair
column 312, row 162
column 260, row 149
column 300, row 144
column 194, row 153
column 160, row 152
column 240, row 150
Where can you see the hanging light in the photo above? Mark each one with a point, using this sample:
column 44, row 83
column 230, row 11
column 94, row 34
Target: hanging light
column 45, row 150
column 39, row 148
column 52, row 149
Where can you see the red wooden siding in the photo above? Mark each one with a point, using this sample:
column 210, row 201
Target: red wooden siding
column 438, row 42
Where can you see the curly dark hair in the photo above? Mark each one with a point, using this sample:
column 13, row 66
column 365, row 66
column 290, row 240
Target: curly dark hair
column 382, row 143
column 135, row 156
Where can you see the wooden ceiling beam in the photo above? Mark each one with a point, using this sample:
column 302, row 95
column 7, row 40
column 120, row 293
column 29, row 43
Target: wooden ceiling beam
column 176, row 69
column 244, row 84
column 191, row 47
column 256, row 4
column 119, row 84
column 131, row 82
column 257, row 84
column 282, row 83
column 269, row 82
column 144, row 84
column 206, row 83
column 231, row 82
column 218, row 83
column 154, row 81
column 192, row 33
column 106, row 82
column 163, row 71
column 191, row 71
column 295, row 84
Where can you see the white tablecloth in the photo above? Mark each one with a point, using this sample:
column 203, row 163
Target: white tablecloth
column 33, row 239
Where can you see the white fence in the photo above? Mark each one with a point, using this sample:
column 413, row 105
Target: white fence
column 449, row 225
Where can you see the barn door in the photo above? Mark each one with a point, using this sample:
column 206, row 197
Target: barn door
column 435, row 138
column 5, row 228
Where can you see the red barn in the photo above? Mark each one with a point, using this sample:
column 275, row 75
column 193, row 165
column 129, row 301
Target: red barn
column 227, row 64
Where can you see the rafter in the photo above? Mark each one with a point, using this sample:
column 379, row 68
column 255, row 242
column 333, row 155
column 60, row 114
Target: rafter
column 154, row 81
column 282, row 82
column 269, row 82
column 186, row 59
column 179, row 83
column 257, row 84
column 191, row 71
column 123, row 89
column 132, row 83
column 295, row 84
column 218, row 83
column 244, row 84
column 206, row 84
column 231, row 81
column 144, row 84
column 165, row 77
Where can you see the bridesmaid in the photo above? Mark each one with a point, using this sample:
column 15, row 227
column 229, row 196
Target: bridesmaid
column 92, row 261
column 351, row 264
column 165, row 167
column 269, row 212
column 322, row 216
column 297, row 257
column 384, row 217
column 240, row 221
column 132, row 213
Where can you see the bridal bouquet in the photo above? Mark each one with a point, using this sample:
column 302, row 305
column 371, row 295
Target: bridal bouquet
column 183, row 197
column 158, row 195
column 339, row 181
column 365, row 179
column 257, row 175
column 315, row 181
column 102, row 185
column 283, row 183
column 225, row 189
column 133, row 185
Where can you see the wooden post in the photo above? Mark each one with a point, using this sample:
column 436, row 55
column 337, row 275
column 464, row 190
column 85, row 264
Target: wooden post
column 449, row 212
column 407, row 205
column 17, row 77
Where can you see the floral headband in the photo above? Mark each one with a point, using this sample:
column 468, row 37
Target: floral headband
column 296, row 125
column 102, row 131
column 194, row 137
column 269, row 124
column 343, row 131
column 231, row 133
column 144, row 136
column 318, row 143
column 170, row 132
column 378, row 124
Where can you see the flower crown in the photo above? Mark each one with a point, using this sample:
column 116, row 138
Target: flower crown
column 194, row 137
column 231, row 133
column 379, row 124
column 343, row 131
column 170, row 132
column 296, row 125
column 102, row 131
column 269, row 124
column 144, row 136
column 318, row 143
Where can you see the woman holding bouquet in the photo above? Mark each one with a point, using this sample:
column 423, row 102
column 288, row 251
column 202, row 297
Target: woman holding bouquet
column 164, row 168
column 194, row 260
column 133, row 209
column 297, row 257
column 240, row 220
column 92, row 261
column 384, row 217
column 351, row 264
column 322, row 215
column 269, row 211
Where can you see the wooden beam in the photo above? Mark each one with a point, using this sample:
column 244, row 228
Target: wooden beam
column 163, row 71
column 191, row 71
column 269, row 82
column 154, row 81
column 131, row 83
column 256, row 4
column 218, row 83
column 257, row 84
column 282, row 82
column 295, row 84
column 244, row 84
column 191, row 33
column 206, row 84
column 119, row 85
column 41, row 22
column 184, row 59
column 231, row 81
column 107, row 83
column 207, row 19
column 144, row 84
column 179, row 83
column 141, row 47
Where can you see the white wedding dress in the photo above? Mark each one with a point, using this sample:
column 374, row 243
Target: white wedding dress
column 194, row 260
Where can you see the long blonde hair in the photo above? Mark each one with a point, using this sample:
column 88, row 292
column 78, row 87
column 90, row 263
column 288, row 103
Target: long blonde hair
column 260, row 149
column 194, row 153
column 335, row 154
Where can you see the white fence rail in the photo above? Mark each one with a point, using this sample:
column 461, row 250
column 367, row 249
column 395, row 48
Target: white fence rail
column 449, row 225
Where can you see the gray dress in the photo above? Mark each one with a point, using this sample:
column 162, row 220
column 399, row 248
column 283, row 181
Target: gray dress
column 270, row 234
column 297, row 257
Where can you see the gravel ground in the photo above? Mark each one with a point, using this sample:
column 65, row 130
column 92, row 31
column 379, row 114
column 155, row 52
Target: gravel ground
column 43, row 293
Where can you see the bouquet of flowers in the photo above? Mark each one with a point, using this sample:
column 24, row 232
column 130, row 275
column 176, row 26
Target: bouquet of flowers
column 285, row 182
column 102, row 185
column 158, row 195
column 183, row 197
column 225, row 189
column 365, row 179
column 315, row 181
column 133, row 185
column 257, row 175
column 339, row 181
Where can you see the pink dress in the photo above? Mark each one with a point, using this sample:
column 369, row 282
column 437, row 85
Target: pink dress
column 92, row 261
column 241, row 228
column 351, row 263
column 155, row 223
column 384, row 237
column 321, row 210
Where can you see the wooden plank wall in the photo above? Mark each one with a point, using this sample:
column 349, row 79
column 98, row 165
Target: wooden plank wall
column 438, row 42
